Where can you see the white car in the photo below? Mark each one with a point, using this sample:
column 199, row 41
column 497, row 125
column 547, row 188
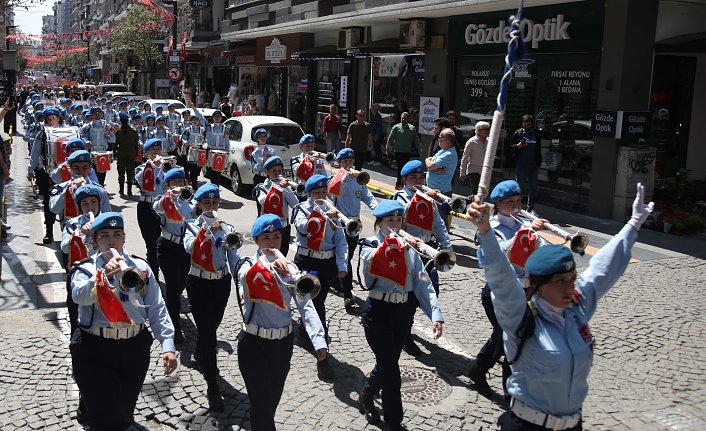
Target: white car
column 154, row 103
column 282, row 135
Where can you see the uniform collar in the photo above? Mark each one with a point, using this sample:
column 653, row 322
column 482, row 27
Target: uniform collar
column 555, row 313
column 506, row 221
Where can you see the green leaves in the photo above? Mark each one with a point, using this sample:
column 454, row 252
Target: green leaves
column 133, row 39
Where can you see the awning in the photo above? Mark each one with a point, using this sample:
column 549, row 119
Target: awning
column 377, row 47
column 695, row 42
column 319, row 53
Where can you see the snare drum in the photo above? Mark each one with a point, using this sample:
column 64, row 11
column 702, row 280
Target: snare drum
column 193, row 155
column 217, row 160
column 102, row 161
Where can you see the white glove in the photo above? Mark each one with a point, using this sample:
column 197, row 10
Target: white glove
column 640, row 211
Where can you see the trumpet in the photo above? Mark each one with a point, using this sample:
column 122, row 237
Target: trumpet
column 457, row 204
column 186, row 193
column 299, row 188
column 232, row 240
column 329, row 157
column 362, row 178
column 130, row 277
column 577, row 242
column 304, row 286
column 168, row 162
column 351, row 227
column 321, row 211
column 443, row 260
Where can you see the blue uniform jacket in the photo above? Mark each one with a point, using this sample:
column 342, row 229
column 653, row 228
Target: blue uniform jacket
column 158, row 180
column 222, row 258
column 290, row 198
column 319, row 167
column 56, row 198
column 270, row 316
column 352, row 194
column 215, row 134
column 69, row 227
column 165, row 136
column 95, row 132
column 333, row 239
column 439, row 228
column 552, row 373
column 259, row 157
column 89, row 313
column 418, row 282
column 186, row 209
column 173, row 121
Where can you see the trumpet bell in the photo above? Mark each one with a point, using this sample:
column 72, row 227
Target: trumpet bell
column 186, row 193
column 353, row 228
column 301, row 190
column 233, row 240
column 307, row 287
column 445, row 260
column 132, row 278
column 579, row 243
column 459, row 205
column 363, row 178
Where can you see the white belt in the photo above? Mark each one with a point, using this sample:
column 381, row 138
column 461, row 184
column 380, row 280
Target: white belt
column 116, row 333
column 315, row 254
column 170, row 237
column 523, row 411
column 394, row 297
column 207, row 274
column 149, row 199
column 266, row 333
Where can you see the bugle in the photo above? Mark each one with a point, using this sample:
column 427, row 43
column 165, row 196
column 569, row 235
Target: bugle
column 351, row 227
column 231, row 240
column 443, row 260
column 304, row 286
column 577, row 242
column 457, row 204
column 362, row 178
column 299, row 188
column 130, row 277
column 186, row 193
column 328, row 219
column 329, row 157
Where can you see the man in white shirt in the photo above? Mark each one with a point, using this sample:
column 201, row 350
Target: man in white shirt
column 474, row 154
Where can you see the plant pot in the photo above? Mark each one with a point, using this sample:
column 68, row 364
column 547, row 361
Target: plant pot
column 667, row 227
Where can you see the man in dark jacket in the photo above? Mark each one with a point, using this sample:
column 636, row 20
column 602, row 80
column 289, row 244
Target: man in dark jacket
column 125, row 151
column 527, row 146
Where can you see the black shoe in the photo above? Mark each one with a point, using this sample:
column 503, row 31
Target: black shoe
column 49, row 237
column 411, row 348
column 394, row 427
column 81, row 416
column 348, row 302
column 215, row 400
column 129, row 191
column 477, row 376
column 366, row 406
column 324, row 370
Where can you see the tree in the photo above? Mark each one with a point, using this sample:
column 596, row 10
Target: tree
column 133, row 39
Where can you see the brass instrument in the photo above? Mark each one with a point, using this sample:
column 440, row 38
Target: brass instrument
column 186, row 193
column 328, row 219
column 130, row 277
column 168, row 162
column 457, row 204
column 329, row 157
column 304, row 286
column 444, row 260
column 577, row 242
column 299, row 188
column 232, row 240
column 351, row 227
column 362, row 178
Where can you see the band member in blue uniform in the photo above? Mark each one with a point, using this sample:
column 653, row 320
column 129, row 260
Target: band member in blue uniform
column 305, row 165
column 266, row 342
column 548, row 337
column 150, row 180
column 111, row 351
column 388, row 312
column 275, row 196
column 62, row 172
column 347, row 196
column 216, row 139
column 98, row 135
column 192, row 136
column 210, row 243
column 164, row 134
column 321, row 249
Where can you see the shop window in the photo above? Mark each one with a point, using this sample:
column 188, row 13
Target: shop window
column 398, row 83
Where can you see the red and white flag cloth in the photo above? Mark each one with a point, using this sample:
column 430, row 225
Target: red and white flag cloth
column 315, row 229
column 305, row 169
column 77, row 249
column 524, row 244
column 274, row 202
column 102, row 162
column 148, row 177
column 70, row 206
column 64, row 172
column 108, row 302
column 390, row 262
column 171, row 212
column 203, row 158
column 262, row 286
column 420, row 212
column 335, row 187
column 202, row 252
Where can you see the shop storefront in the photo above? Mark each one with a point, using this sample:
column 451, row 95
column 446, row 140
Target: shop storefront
column 398, row 83
column 558, row 83
column 217, row 71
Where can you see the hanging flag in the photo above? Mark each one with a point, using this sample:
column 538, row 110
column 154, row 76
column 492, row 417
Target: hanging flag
column 202, row 252
column 70, row 207
column 420, row 212
column 171, row 212
column 305, row 169
column 315, row 229
column 102, row 162
column 148, row 177
column 390, row 262
column 336, row 185
column 64, row 172
column 183, row 46
column 77, row 249
column 108, row 303
column 262, row 286
column 274, row 202
column 203, row 157
column 524, row 244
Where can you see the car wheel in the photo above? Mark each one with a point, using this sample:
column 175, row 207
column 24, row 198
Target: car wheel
column 236, row 182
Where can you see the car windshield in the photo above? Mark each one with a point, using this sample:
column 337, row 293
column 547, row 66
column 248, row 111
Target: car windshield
column 280, row 134
column 177, row 105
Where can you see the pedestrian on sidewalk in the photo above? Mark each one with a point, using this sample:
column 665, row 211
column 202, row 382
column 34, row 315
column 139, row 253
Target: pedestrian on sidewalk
column 439, row 125
column 110, row 352
column 402, row 141
column 265, row 344
column 359, row 138
column 474, row 155
column 441, row 168
column 526, row 145
column 331, row 130
column 548, row 339
column 377, row 133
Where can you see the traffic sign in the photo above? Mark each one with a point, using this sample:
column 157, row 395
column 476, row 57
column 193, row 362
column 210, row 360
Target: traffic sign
column 174, row 73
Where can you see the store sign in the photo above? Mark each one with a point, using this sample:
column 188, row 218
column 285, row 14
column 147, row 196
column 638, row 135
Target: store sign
column 429, row 111
column 399, row 66
column 275, row 51
column 604, row 123
column 245, row 59
column 635, row 126
column 343, row 91
column 199, row 4
column 564, row 27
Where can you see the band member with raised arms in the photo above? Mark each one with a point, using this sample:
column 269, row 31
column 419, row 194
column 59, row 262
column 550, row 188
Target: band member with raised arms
column 275, row 196
column 303, row 165
column 216, row 139
column 111, row 351
column 62, row 173
column 98, row 135
column 173, row 208
column 548, row 337
column 265, row 344
column 388, row 312
column 150, row 180
column 208, row 240
column 321, row 249
column 347, row 195
column 422, row 220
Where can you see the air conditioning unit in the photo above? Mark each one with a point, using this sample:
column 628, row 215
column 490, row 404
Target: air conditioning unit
column 349, row 37
column 413, row 34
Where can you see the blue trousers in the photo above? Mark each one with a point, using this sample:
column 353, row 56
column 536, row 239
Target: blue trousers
column 528, row 174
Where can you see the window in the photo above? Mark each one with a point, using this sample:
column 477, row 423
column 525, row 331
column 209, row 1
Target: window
column 236, row 130
column 279, row 135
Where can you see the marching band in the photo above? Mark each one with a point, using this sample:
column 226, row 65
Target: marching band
column 111, row 294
